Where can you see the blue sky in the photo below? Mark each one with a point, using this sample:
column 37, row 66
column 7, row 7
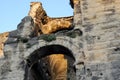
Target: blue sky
column 12, row 11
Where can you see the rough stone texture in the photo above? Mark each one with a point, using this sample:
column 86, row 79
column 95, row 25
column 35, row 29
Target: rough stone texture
column 43, row 23
column 58, row 70
column 39, row 16
column 3, row 38
column 57, row 24
column 26, row 27
column 100, row 26
column 93, row 43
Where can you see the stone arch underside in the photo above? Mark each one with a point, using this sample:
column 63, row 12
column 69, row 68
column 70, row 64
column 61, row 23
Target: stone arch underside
column 56, row 59
column 55, row 50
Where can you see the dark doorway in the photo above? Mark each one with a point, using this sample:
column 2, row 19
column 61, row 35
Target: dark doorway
column 50, row 62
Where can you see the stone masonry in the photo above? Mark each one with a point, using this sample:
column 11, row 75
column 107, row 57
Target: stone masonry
column 99, row 21
column 93, row 43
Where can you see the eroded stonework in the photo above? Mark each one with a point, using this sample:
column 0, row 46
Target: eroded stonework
column 43, row 23
column 90, row 48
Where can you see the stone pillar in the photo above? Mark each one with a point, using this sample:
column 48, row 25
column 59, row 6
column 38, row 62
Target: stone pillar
column 79, row 64
column 77, row 14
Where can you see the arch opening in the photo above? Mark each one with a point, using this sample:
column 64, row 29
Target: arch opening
column 50, row 62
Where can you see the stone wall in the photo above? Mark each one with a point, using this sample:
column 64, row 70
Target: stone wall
column 101, row 35
column 20, row 45
column 94, row 42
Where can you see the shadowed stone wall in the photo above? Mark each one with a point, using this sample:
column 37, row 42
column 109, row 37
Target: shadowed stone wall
column 18, row 48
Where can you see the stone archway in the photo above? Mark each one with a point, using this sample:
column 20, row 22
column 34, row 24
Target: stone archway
column 51, row 62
